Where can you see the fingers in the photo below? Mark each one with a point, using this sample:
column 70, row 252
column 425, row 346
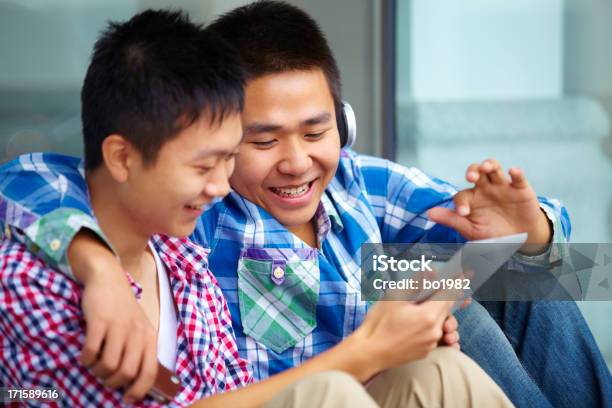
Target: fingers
column 129, row 360
column 432, row 315
column 451, row 338
column 489, row 171
column 130, row 363
column 517, row 177
column 94, row 335
column 466, row 303
column 450, row 324
column 438, row 307
column 451, row 219
column 451, row 335
column 472, row 174
column 493, row 170
column 112, row 352
column 463, row 201
column 147, row 374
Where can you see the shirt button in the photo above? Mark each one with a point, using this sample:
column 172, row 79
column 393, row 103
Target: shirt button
column 279, row 273
column 55, row 244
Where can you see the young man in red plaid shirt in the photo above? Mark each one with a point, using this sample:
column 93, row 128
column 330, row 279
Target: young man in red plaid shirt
column 160, row 109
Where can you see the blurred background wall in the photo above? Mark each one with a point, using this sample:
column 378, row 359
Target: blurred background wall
column 526, row 82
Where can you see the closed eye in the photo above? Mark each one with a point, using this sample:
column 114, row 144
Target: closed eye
column 314, row 135
column 267, row 143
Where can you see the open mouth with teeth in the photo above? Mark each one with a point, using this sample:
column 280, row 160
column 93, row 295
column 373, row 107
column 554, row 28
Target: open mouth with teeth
column 292, row 192
column 195, row 207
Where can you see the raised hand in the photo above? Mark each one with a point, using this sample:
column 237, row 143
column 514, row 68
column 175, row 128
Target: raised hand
column 496, row 205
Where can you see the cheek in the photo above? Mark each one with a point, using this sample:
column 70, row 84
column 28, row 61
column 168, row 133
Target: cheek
column 141, row 190
column 180, row 188
column 328, row 156
column 229, row 167
column 250, row 170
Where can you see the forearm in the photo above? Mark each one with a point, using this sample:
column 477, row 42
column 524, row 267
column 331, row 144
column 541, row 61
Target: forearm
column 540, row 238
column 88, row 254
column 348, row 356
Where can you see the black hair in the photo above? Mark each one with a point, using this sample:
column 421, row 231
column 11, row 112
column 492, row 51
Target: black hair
column 274, row 37
column 153, row 76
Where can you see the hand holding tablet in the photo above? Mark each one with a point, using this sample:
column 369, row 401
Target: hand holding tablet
column 476, row 262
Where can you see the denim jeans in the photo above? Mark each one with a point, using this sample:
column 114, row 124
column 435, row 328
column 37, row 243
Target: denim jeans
column 541, row 354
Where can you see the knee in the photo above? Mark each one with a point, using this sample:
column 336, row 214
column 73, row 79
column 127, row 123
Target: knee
column 422, row 380
column 448, row 359
column 330, row 389
column 434, row 370
column 440, row 360
column 479, row 332
column 446, row 374
column 454, row 373
column 426, row 371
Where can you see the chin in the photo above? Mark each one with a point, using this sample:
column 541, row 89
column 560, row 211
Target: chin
column 180, row 231
column 295, row 218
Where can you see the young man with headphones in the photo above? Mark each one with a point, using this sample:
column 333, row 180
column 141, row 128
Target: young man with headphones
column 152, row 120
column 285, row 244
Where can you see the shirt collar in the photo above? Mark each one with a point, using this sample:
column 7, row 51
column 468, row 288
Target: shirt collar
column 257, row 227
column 327, row 216
column 182, row 258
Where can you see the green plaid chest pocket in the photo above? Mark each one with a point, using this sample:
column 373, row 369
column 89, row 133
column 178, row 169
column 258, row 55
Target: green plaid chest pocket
column 278, row 291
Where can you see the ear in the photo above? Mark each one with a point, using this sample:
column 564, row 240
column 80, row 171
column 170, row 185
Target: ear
column 118, row 155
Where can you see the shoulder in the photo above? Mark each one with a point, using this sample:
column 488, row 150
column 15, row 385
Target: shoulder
column 45, row 162
column 26, row 278
column 362, row 168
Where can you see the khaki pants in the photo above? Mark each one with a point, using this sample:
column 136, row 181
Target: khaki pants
column 446, row 378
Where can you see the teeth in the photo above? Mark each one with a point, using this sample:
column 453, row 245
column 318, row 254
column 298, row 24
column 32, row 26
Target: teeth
column 196, row 207
column 291, row 192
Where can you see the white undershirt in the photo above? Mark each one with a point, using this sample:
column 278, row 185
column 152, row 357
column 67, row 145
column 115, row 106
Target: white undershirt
column 166, row 334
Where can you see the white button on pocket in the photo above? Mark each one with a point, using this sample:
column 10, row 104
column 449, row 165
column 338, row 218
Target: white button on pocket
column 279, row 272
column 55, row 244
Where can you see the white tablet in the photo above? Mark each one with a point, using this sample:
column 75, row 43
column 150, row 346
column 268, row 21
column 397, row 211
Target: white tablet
column 476, row 261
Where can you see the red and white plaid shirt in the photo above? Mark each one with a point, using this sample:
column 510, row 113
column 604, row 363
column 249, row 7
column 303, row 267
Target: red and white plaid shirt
column 43, row 329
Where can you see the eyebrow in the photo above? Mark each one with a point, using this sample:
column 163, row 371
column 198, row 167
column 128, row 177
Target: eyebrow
column 258, row 127
column 203, row 154
column 255, row 128
column 208, row 152
column 317, row 120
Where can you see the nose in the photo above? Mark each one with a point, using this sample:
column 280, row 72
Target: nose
column 295, row 159
column 218, row 183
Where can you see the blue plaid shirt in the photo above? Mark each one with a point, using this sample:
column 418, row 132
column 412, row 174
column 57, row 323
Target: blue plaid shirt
column 369, row 200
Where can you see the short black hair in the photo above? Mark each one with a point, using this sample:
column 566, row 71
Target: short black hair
column 153, row 76
column 274, row 37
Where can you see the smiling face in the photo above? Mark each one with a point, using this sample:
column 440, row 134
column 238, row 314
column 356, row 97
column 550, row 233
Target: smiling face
column 291, row 145
column 190, row 170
